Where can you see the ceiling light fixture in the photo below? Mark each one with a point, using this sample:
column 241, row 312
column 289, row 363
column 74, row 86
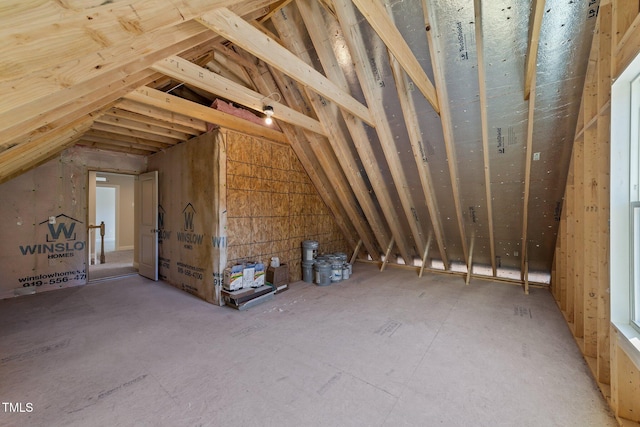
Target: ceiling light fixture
column 268, row 111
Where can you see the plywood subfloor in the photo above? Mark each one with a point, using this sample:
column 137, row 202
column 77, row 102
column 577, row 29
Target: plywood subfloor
column 382, row 349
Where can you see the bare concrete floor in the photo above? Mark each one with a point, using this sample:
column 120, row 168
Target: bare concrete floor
column 382, row 349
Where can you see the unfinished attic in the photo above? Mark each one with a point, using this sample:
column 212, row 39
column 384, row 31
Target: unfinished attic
column 447, row 150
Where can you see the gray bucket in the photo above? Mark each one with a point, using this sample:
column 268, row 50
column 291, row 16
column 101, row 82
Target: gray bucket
column 309, row 250
column 322, row 273
column 307, row 271
column 341, row 256
column 345, row 271
column 336, row 271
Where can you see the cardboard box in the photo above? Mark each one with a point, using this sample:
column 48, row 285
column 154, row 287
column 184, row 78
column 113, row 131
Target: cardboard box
column 233, row 278
column 278, row 276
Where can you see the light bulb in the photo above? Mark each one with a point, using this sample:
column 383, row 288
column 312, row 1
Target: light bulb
column 268, row 120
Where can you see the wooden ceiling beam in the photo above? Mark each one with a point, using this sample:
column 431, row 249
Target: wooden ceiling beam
column 121, row 130
column 308, row 148
column 114, row 147
column 422, row 163
column 447, row 125
column 25, row 156
column 313, row 19
column 197, row 126
column 189, row 73
column 151, row 121
column 535, row 26
column 117, row 145
column 243, row 34
column 482, row 83
column 149, row 96
column 45, row 41
column 374, row 12
column 106, row 137
column 372, row 93
column 329, row 116
column 142, row 127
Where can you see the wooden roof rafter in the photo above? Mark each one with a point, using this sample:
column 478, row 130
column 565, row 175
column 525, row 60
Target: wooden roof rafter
column 183, row 70
column 422, row 164
column 447, row 127
column 309, row 10
column 485, row 130
column 243, row 34
column 329, row 116
column 155, row 113
column 156, row 98
column 535, row 26
column 383, row 25
column 332, row 190
column 354, row 39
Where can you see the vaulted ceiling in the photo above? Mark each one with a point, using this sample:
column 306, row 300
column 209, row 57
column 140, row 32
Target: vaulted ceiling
column 435, row 130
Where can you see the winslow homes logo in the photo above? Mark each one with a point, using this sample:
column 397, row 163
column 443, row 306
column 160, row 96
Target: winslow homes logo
column 61, row 238
column 188, row 235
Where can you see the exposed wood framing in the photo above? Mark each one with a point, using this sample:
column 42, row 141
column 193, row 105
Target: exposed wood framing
column 535, row 26
column 422, row 163
column 470, row 260
column 190, row 73
column 330, row 117
column 383, row 25
column 21, row 158
column 527, row 174
column 321, row 148
column 426, row 255
column 238, row 31
column 198, row 126
column 354, row 257
column 447, row 125
column 371, row 90
column 153, row 97
column 485, row 130
column 385, row 261
column 149, row 122
column 331, row 190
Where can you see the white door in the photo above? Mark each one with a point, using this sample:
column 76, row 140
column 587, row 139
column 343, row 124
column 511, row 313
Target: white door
column 148, row 259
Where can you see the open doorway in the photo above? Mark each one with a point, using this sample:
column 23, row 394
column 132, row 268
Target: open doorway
column 111, row 201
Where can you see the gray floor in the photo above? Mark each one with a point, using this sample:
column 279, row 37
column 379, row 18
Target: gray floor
column 117, row 263
column 382, row 349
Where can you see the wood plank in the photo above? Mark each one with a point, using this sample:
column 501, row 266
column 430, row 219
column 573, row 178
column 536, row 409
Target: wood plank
column 310, row 11
column 21, row 158
column 605, row 39
column 152, row 121
column 527, row 172
column 189, row 73
column 153, row 97
column 425, row 255
column 143, row 127
column 485, row 130
column 579, row 206
column 373, row 95
column 355, row 252
column 447, row 125
column 628, row 46
column 382, row 23
column 107, row 137
column 316, row 150
column 239, row 32
column 535, row 25
column 470, row 261
column 322, row 149
column 198, row 126
column 422, row 163
column 590, row 268
column 571, row 242
column 119, row 130
column 119, row 147
column 385, row 261
column 45, row 41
